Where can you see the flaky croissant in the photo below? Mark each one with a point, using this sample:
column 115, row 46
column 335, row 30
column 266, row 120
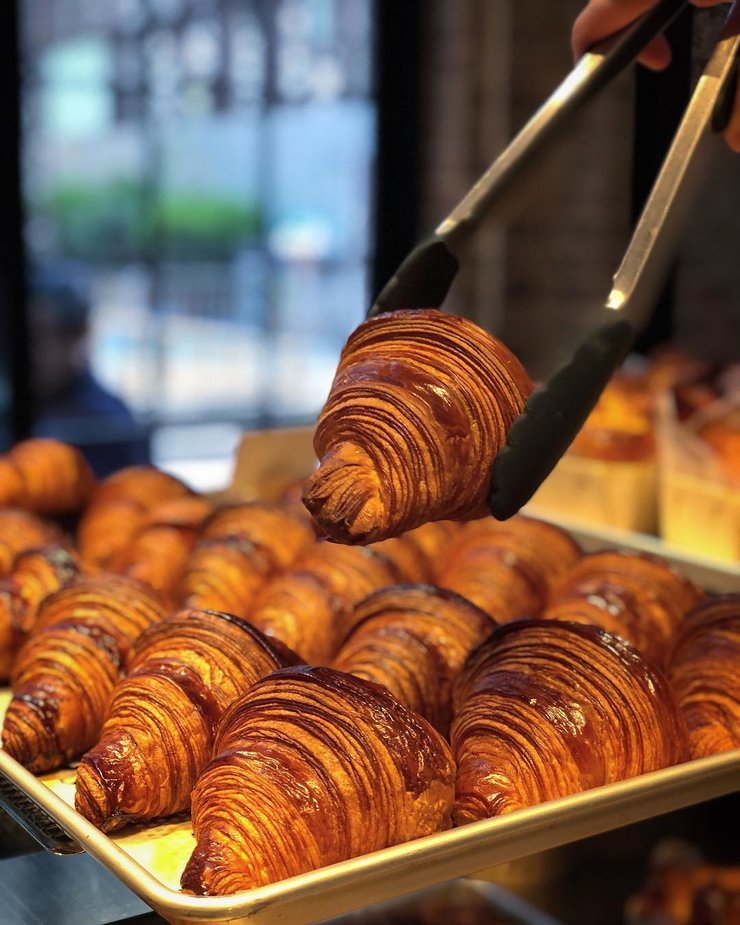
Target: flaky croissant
column 119, row 506
column 311, row 767
column 65, row 672
column 414, row 640
column 276, row 528
column 420, row 406
column 546, row 709
column 308, row 606
column 239, row 549
column 159, row 725
column 704, row 669
column 507, row 568
column 36, row 573
column 46, row 476
column 638, row 596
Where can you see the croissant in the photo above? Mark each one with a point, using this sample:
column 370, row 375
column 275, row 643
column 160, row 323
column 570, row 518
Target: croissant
column 21, row 530
column 704, row 669
column 159, row 726
column 312, row 767
column 57, row 477
column 634, row 595
column 225, row 574
column 276, row 528
column 158, row 552
column 420, row 405
column 65, row 672
column 545, row 709
column 36, row 574
column 239, row 550
column 507, row 569
column 308, row 607
column 12, row 486
column 118, row 507
column 414, row 639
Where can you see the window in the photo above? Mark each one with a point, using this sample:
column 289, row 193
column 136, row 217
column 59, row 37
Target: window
column 205, row 166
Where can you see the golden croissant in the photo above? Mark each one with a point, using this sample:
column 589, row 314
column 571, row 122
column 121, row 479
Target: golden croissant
column 66, row 671
column 546, row 709
column 45, row 476
column 36, row 573
column 239, row 549
column 308, row 607
column 638, row 596
column 275, row 528
column 507, row 568
column 420, row 406
column 118, row 507
column 313, row 766
column 704, row 669
column 21, row 530
column 414, row 640
column 158, row 552
column 159, row 726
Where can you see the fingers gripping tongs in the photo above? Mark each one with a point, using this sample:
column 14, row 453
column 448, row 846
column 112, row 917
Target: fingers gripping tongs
column 556, row 411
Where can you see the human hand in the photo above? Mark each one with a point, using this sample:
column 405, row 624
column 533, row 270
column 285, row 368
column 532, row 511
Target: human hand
column 601, row 18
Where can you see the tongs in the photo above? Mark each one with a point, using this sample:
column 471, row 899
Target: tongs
column 556, row 411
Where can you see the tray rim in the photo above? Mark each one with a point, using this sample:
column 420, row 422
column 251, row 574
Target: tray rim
column 414, row 865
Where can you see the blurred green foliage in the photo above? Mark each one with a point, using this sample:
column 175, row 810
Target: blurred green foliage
column 123, row 219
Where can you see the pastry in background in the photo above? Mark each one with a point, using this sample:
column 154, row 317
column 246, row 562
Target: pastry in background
column 704, row 669
column 36, row 574
column 309, row 606
column 20, row 531
column 414, row 639
column 508, row 568
column 420, row 406
column 45, row 476
column 119, row 507
column 311, row 767
column 638, row 596
column 621, row 426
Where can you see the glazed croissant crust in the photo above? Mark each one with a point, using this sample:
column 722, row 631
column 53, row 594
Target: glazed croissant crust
column 420, row 406
column 508, row 569
column 311, row 767
column 414, row 640
column 637, row 596
column 704, row 669
column 545, row 709
column 65, row 672
column 159, row 726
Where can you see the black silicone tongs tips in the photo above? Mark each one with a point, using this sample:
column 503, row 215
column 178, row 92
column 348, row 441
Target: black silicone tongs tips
column 555, row 412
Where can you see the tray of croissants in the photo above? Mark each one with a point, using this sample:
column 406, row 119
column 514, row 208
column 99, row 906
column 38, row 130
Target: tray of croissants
column 286, row 709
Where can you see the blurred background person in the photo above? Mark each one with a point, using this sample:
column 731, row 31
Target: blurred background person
column 69, row 402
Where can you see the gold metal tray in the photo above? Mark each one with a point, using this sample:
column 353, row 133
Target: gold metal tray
column 149, row 859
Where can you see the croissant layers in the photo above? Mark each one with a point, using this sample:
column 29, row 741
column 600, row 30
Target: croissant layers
column 704, row 669
column 159, row 727
column 420, row 406
column 66, row 671
column 311, row 767
column 546, row 709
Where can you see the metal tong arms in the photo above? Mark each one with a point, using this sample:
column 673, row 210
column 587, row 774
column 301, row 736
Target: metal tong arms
column 425, row 276
column 555, row 413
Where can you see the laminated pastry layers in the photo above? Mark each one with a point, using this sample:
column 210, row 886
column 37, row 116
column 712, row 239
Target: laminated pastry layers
column 420, row 406
column 313, row 766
